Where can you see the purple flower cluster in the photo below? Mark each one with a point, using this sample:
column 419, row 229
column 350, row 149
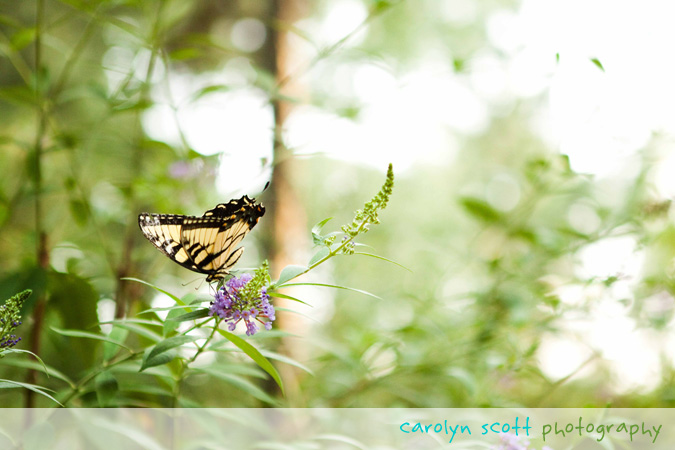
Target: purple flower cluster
column 9, row 341
column 232, row 304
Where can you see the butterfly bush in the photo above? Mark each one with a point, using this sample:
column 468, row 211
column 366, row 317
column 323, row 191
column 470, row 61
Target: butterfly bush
column 245, row 298
column 10, row 320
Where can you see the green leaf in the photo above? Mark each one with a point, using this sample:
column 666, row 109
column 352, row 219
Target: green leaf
column 316, row 231
column 167, row 308
column 199, row 314
column 106, row 388
column 480, row 209
column 6, row 384
column 332, row 286
column 173, row 297
column 170, row 325
column 131, row 325
column 157, row 355
column 88, row 335
column 210, row 89
column 240, row 383
column 597, row 62
column 118, row 334
column 372, row 255
column 280, row 295
column 289, row 272
column 318, row 256
column 7, row 351
column 183, row 54
column 50, row 371
column 255, row 355
column 292, row 311
column 23, row 38
column 194, row 298
column 287, row 360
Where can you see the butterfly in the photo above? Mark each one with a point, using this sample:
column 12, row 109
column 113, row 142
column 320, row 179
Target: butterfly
column 206, row 244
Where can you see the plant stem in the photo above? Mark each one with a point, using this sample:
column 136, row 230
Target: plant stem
column 332, row 252
column 75, row 389
column 186, row 363
column 42, row 254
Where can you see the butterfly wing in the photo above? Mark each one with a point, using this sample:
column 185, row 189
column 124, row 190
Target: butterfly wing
column 206, row 244
column 211, row 241
column 164, row 231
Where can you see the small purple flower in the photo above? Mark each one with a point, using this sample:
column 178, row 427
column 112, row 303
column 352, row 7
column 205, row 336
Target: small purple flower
column 233, row 303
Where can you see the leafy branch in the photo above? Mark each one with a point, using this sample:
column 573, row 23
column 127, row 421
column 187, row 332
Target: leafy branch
column 359, row 225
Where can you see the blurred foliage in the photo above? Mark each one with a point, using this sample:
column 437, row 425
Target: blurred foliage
column 489, row 237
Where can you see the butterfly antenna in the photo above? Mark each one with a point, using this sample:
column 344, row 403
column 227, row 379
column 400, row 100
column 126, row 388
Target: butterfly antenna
column 192, row 281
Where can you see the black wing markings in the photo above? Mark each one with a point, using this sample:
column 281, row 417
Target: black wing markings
column 204, row 244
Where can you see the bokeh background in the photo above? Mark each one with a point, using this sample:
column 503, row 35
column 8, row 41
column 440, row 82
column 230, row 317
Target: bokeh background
column 532, row 143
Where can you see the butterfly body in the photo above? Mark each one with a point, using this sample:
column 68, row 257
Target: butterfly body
column 205, row 244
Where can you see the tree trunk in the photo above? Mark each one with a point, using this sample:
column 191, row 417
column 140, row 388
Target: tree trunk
column 289, row 234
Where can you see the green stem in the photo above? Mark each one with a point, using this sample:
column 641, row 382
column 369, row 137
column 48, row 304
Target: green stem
column 75, row 389
column 332, row 252
column 186, row 363
column 42, row 254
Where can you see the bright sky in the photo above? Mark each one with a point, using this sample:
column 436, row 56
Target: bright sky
column 599, row 118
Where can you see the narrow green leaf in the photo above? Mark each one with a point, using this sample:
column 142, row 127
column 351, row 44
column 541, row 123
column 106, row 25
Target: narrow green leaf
column 88, row 335
column 210, row 89
column 318, row 256
column 372, row 255
column 316, row 231
column 289, row 272
column 287, row 360
column 157, row 360
column 170, row 325
column 255, row 355
column 151, row 387
column 280, row 295
column 199, row 314
column 480, row 209
column 131, row 367
column 332, row 286
column 173, row 297
column 183, row 54
column 166, row 308
column 597, row 62
column 152, row 323
column 4, row 384
column 50, row 371
column 118, row 334
column 157, row 355
column 18, row 350
column 139, row 330
column 195, row 298
column 23, row 38
column 291, row 311
column 241, row 383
